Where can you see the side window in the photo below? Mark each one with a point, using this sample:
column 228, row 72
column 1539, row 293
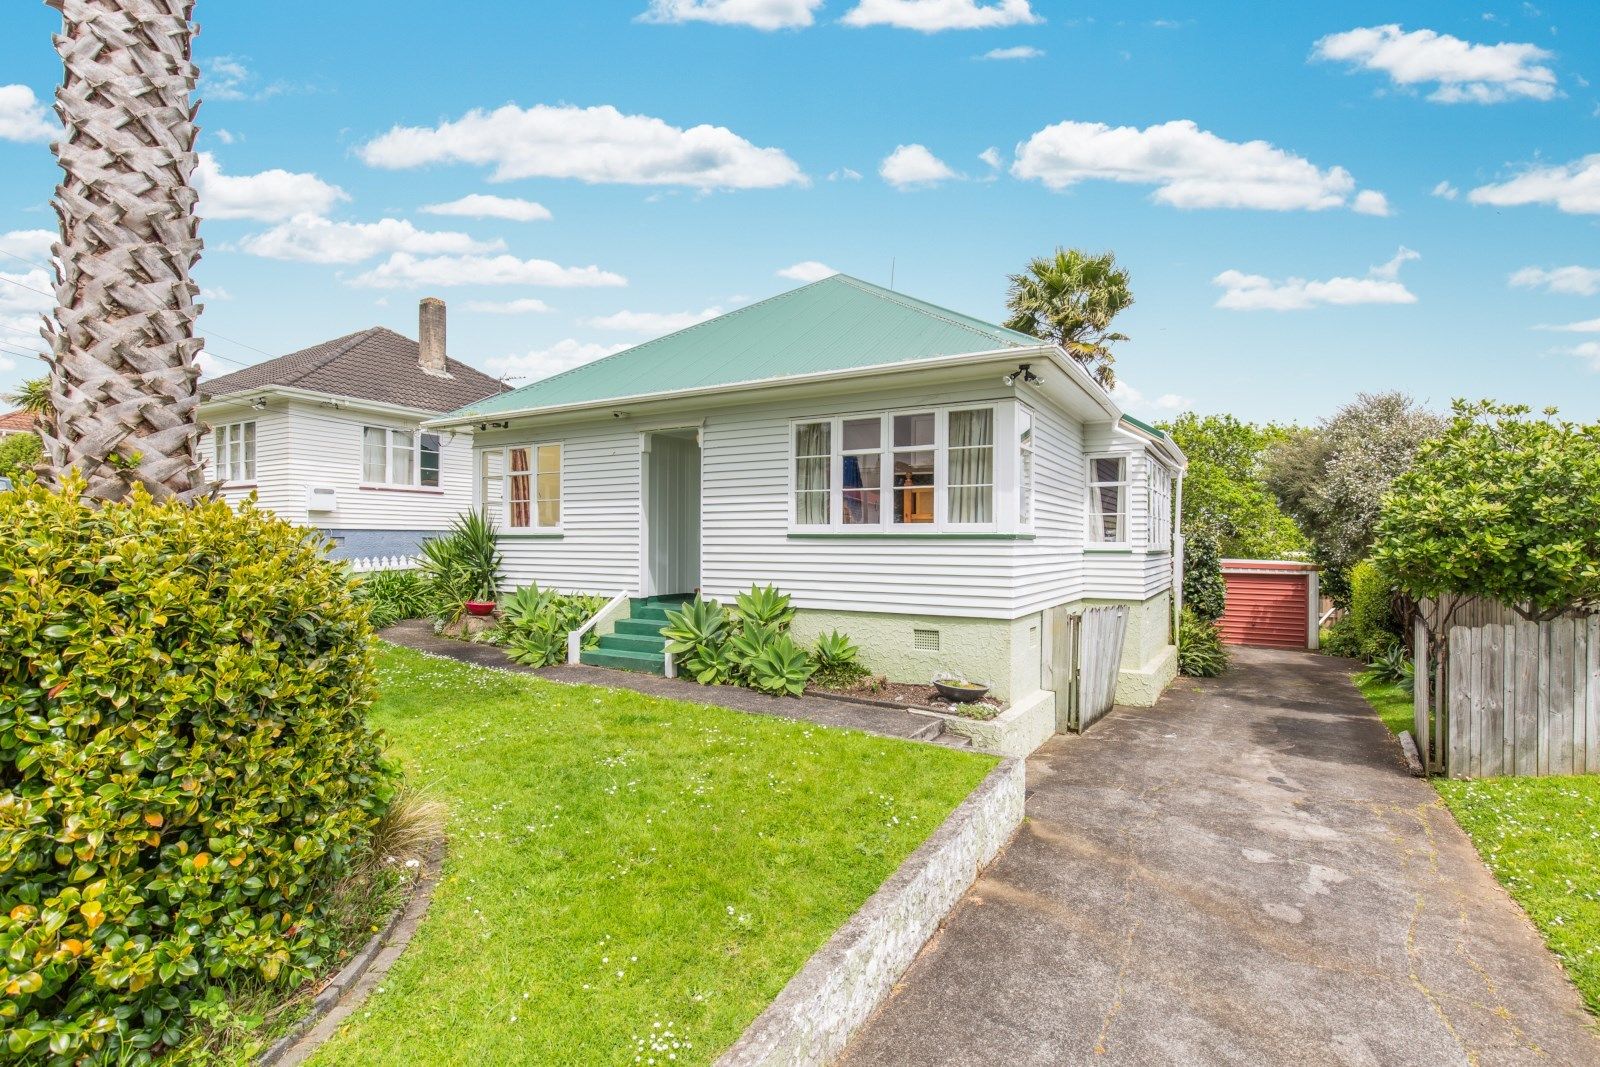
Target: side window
column 1108, row 500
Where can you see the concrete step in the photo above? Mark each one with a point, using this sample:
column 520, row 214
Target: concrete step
column 643, row 662
column 640, row 627
column 621, row 642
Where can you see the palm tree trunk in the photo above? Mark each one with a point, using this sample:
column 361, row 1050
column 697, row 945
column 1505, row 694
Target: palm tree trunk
column 124, row 385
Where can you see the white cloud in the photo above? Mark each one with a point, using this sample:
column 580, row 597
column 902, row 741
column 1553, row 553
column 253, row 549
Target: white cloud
column 524, row 306
column 1573, row 188
column 807, row 271
column 1589, row 351
column 845, row 174
column 1577, row 281
column 1254, row 292
column 759, row 14
column 932, row 16
column 913, row 165
column 479, row 206
column 225, row 136
column 219, row 293
column 271, row 196
column 1191, row 167
column 404, row 270
column 1021, row 51
column 1463, row 72
column 209, row 365
column 541, row 363
column 1446, row 191
column 28, row 244
column 1587, row 326
column 653, row 323
column 590, row 144
column 23, row 117
column 1130, row 399
column 1370, row 202
column 991, row 157
column 310, row 239
column 24, row 298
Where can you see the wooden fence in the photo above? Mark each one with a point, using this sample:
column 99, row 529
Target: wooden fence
column 1085, row 662
column 1508, row 696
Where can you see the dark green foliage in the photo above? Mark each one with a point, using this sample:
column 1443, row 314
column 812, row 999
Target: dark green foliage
column 1393, row 667
column 781, row 668
column 838, row 666
column 748, row 645
column 698, row 635
column 765, row 606
column 535, row 623
column 463, row 565
column 395, row 596
column 1204, row 589
column 19, row 454
column 1201, row 653
column 1373, row 626
column 185, row 760
column 1341, row 639
column 1225, row 492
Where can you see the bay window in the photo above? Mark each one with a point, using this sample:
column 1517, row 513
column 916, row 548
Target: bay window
column 520, row 486
column 404, row 458
column 1158, row 490
column 1108, row 500
column 1025, row 466
column 236, row 451
column 914, row 450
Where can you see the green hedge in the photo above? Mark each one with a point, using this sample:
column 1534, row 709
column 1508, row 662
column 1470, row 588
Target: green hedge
column 185, row 765
column 1204, row 588
column 1373, row 629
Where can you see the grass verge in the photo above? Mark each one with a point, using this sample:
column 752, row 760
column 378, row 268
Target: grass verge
column 1540, row 837
column 627, row 875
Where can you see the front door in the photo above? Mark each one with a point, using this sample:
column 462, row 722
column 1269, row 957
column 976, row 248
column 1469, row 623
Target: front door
column 670, row 512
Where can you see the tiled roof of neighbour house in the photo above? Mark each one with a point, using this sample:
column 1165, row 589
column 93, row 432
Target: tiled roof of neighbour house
column 377, row 365
column 14, row 421
column 839, row 323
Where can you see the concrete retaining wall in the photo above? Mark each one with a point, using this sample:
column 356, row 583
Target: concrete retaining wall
column 839, row 987
column 1017, row 731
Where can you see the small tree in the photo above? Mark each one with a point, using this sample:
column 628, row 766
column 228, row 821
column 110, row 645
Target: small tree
column 1205, row 590
column 1502, row 506
column 1223, row 491
column 19, row 454
column 1070, row 299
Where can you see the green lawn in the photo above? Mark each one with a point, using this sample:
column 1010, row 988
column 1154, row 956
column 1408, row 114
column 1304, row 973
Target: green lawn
column 627, row 875
column 1540, row 837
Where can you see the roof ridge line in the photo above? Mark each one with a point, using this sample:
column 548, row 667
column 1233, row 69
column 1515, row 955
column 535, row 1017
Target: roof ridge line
column 355, row 339
column 933, row 311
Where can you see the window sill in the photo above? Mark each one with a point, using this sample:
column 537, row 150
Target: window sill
column 531, row 535
column 419, row 490
column 930, row 535
column 1110, row 550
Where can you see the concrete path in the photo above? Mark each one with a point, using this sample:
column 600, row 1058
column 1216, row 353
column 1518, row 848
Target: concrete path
column 887, row 722
column 1244, row 874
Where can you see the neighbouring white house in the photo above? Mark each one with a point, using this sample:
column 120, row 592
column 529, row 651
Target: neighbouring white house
column 925, row 482
column 331, row 437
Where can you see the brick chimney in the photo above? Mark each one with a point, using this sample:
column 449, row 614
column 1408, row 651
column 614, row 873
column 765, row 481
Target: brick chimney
column 430, row 335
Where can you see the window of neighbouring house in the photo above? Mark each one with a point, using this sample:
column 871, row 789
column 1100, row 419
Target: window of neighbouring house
column 236, row 451
column 532, row 486
column 407, row 458
column 813, row 461
column 1025, row 466
column 1108, row 500
column 1158, row 489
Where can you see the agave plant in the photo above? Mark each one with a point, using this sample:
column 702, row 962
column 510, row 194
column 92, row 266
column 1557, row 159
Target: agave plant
column 765, row 606
column 782, row 668
column 837, row 665
column 464, row 564
column 698, row 635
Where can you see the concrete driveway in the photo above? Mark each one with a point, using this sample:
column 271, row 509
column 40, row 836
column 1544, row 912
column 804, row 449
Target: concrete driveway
column 1244, row 874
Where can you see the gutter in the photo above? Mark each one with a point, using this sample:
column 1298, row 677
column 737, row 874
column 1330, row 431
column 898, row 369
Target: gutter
column 245, row 397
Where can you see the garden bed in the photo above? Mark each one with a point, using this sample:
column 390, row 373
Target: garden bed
column 628, row 875
column 886, row 694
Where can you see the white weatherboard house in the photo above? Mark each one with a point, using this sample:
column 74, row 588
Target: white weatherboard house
column 927, row 483
column 331, row 437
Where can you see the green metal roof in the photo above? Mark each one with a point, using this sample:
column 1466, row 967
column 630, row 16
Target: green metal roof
column 839, row 323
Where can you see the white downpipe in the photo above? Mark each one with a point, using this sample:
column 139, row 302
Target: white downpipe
column 1179, row 547
column 575, row 638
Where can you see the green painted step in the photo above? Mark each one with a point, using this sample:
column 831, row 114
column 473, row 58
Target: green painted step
column 625, row 661
column 633, row 643
column 640, row 627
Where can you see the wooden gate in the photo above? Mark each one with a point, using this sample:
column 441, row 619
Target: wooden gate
column 1085, row 660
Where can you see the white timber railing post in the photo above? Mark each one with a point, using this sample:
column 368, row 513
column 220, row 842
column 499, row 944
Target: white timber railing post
column 575, row 638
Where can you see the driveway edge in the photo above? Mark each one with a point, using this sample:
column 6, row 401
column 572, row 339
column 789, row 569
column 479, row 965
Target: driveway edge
column 850, row 976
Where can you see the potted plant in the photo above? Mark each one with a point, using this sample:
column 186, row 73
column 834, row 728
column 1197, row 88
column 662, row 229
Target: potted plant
column 464, row 566
column 959, row 690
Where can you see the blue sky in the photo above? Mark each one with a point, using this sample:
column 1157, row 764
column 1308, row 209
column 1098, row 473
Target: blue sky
column 1313, row 200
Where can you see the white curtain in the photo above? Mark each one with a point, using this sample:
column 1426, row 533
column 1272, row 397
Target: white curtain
column 971, row 466
column 813, row 457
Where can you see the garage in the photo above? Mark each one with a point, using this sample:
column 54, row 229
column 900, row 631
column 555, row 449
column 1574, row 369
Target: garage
column 1271, row 603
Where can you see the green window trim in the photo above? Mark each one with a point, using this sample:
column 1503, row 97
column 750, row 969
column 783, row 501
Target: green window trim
column 875, row 536
column 1108, row 552
column 551, row 535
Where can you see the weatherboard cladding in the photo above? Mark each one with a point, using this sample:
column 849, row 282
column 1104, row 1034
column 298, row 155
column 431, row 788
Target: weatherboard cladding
column 376, row 364
column 839, row 323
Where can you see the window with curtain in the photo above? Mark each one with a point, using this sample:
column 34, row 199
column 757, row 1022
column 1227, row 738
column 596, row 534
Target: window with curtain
column 862, row 443
column 1024, row 466
column 519, row 513
column 530, row 478
column 1158, row 489
column 406, row 458
column 970, row 470
column 374, row 455
column 914, row 468
column 236, row 451
column 813, row 462
column 1108, row 499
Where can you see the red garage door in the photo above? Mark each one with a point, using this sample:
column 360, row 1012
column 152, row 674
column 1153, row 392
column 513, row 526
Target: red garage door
column 1267, row 605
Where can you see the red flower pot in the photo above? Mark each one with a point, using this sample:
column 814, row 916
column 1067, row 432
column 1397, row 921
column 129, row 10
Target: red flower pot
column 480, row 608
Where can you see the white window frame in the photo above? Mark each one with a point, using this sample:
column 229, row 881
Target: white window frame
column 390, row 448
column 1158, row 506
column 242, row 472
column 1091, row 509
column 1027, row 476
column 1003, row 506
column 502, row 514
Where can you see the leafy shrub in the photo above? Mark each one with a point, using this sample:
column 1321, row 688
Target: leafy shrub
column 535, row 623
column 1372, row 623
column 1201, row 653
column 1340, row 639
column 395, row 596
column 1204, row 589
column 19, row 454
column 837, row 664
column 697, row 634
column 765, row 606
column 463, row 565
column 781, row 667
column 185, row 761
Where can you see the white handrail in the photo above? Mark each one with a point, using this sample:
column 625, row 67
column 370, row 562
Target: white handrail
column 575, row 638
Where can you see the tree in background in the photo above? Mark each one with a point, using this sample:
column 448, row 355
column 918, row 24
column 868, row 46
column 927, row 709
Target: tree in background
column 19, row 454
column 1332, row 479
column 33, row 396
column 1500, row 506
column 1205, row 590
column 123, row 380
column 1070, row 299
column 1224, row 493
